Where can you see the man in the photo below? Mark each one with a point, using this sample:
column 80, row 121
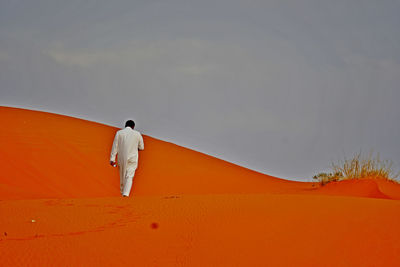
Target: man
column 126, row 144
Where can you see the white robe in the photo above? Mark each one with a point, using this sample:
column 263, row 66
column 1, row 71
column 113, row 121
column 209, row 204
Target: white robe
column 126, row 144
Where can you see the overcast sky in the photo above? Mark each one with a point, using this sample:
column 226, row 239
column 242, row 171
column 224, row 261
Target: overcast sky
column 283, row 87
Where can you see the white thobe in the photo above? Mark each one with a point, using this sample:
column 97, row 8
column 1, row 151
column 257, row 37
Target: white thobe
column 126, row 144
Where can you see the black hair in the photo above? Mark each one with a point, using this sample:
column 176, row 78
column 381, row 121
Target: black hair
column 130, row 123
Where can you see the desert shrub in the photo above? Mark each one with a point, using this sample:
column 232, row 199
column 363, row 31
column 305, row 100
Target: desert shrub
column 325, row 178
column 359, row 167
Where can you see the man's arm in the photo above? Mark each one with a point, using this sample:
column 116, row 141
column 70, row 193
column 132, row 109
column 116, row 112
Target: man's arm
column 114, row 150
column 141, row 143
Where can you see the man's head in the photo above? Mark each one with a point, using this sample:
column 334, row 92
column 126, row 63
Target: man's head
column 130, row 123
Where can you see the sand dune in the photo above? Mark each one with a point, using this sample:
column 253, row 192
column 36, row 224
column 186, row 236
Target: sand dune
column 201, row 230
column 47, row 155
column 60, row 206
column 371, row 188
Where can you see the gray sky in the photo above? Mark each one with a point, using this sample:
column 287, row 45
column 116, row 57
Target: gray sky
column 283, row 86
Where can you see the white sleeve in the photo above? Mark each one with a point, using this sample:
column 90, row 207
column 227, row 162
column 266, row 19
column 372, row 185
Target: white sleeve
column 114, row 149
column 141, row 143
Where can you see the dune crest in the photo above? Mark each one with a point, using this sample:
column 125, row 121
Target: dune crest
column 357, row 187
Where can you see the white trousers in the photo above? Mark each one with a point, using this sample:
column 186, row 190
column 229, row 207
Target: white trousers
column 126, row 174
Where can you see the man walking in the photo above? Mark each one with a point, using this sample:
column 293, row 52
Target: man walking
column 126, row 144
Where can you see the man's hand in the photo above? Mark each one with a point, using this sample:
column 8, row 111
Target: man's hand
column 112, row 163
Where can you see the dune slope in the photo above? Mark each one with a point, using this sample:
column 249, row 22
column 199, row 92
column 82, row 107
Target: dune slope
column 60, row 206
column 45, row 155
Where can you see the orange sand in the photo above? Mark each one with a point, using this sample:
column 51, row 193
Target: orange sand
column 187, row 208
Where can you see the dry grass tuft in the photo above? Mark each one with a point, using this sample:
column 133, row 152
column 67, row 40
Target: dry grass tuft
column 359, row 167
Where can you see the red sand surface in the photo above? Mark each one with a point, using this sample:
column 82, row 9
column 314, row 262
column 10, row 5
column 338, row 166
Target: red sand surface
column 60, row 206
